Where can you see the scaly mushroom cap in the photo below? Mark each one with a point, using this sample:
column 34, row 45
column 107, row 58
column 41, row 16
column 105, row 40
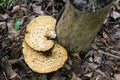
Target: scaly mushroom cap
column 44, row 64
column 40, row 32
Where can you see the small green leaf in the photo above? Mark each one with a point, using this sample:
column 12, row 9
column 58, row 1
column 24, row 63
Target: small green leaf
column 2, row 2
column 10, row 1
column 17, row 24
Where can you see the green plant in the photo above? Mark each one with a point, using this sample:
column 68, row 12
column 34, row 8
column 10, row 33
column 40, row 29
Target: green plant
column 7, row 2
column 2, row 2
column 10, row 1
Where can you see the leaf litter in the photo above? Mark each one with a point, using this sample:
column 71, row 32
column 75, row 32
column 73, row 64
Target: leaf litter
column 102, row 61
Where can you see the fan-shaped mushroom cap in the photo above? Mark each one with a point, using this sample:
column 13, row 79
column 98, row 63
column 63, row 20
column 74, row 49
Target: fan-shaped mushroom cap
column 39, row 33
column 44, row 64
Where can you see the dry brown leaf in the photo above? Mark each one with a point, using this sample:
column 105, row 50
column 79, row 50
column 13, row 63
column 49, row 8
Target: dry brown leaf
column 117, row 35
column 74, row 77
column 115, row 14
column 11, row 30
column 89, row 74
column 15, row 8
column 4, row 16
column 10, row 73
column 37, row 9
column 67, row 67
column 76, row 55
column 117, row 76
column 105, row 36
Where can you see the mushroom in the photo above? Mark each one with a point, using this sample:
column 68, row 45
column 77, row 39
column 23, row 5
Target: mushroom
column 40, row 33
column 38, row 41
column 40, row 63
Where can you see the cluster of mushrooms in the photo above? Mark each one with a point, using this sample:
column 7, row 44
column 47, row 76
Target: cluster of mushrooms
column 39, row 40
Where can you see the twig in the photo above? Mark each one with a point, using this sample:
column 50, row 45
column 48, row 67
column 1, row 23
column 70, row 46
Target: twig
column 100, row 51
column 15, row 60
column 53, row 9
column 5, row 75
column 7, row 49
column 113, row 51
column 2, row 19
column 47, row 6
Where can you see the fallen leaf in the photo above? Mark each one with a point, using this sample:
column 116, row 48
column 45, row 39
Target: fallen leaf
column 117, row 4
column 4, row 16
column 115, row 15
column 37, row 9
column 38, row 1
column 98, row 59
column 94, row 46
column 11, row 74
column 117, row 35
column 76, row 55
column 15, row 8
column 117, row 76
column 74, row 77
column 76, row 67
column 42, row 77
column 105, row 36
column 11, row 30
column 101, row 72
column 2, row 24
column 89, row 74
column 67, row 67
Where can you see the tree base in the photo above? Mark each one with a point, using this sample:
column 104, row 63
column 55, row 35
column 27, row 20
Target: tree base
column 77, row 29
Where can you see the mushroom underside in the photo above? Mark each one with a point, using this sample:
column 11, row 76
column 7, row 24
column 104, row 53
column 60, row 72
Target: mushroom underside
column 40, row 63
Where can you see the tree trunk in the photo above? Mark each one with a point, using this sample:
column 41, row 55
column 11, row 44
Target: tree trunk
column 76, row 29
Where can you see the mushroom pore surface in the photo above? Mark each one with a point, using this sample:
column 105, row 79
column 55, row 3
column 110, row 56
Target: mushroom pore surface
column 40, row 32
column 44, row 64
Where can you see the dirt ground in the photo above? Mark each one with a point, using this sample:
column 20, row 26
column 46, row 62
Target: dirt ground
column 101, row 62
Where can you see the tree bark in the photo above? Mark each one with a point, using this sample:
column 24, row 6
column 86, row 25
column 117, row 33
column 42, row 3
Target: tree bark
column 76, row 29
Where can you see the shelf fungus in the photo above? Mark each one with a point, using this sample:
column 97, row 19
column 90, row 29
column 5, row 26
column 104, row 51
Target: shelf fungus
column 40, row 33
column 37, row 44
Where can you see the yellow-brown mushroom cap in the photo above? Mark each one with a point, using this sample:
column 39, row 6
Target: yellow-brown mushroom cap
column 38, row 31
column 44, row 64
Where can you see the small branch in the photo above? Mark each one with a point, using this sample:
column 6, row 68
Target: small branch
column 100, row 51
column 47, row 6
column 15, row 60
column 5, row 75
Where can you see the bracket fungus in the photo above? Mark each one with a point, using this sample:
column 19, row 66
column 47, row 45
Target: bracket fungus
column 40, row 32
column 36, row 45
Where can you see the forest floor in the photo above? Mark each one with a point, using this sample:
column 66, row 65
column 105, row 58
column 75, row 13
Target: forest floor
column 101, row 62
